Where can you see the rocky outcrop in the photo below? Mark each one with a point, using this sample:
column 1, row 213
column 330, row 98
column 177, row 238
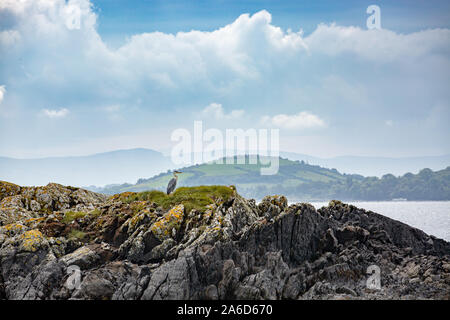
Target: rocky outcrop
column 60, row 242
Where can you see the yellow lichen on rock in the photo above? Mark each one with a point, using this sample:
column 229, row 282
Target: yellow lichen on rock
column 278, row 200
column 8, row 189
column 162, row 228
column 31, row 240
column 121, row 196
column 136, row 220
column 33, row 222
column 12, row 229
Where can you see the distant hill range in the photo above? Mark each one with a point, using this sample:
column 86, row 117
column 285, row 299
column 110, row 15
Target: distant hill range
column 301, row 181
column 127, row 166
column 374, row 166
column 98, row 169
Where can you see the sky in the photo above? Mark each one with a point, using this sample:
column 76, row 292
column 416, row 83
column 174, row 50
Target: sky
column 126, row 74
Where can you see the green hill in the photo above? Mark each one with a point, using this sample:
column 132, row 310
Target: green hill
column 246, row 177
column 301, row 181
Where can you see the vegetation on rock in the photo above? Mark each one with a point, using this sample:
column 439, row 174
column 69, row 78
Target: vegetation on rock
column 191, row 197
column 207, row 242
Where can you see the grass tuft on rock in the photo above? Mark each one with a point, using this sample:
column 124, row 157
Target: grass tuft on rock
column 69, row 216
column 191, row 197
column 76, row 235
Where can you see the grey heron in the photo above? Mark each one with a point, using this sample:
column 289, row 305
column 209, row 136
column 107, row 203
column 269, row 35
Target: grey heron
column 173, row 182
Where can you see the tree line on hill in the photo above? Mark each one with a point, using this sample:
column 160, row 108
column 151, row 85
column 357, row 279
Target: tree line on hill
column 426, row 185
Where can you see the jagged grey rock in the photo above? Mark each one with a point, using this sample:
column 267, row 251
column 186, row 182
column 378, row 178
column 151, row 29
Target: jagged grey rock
column 234, row 249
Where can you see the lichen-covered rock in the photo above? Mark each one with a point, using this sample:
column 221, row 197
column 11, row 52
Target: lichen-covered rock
column 168, row 225
column 13, row 229
column 132, row 246
column 8, row 189
column 21, row 203
column 32, row 240
column 272, row 206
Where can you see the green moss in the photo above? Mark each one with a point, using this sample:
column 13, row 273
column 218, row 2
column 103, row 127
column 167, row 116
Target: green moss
column 95, row 213
column 76, row 235
column 69, row 216
column 191, row 197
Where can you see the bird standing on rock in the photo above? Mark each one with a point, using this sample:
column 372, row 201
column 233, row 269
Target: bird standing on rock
column 173, row 182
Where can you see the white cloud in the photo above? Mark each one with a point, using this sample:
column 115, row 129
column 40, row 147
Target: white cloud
column 61, row 113
column 112, row 108
column 377, row 45
column 216, row 110
column 2, row 93
column 351, row 75
column 232, row 59
column 301, row 120
column 389, row 123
